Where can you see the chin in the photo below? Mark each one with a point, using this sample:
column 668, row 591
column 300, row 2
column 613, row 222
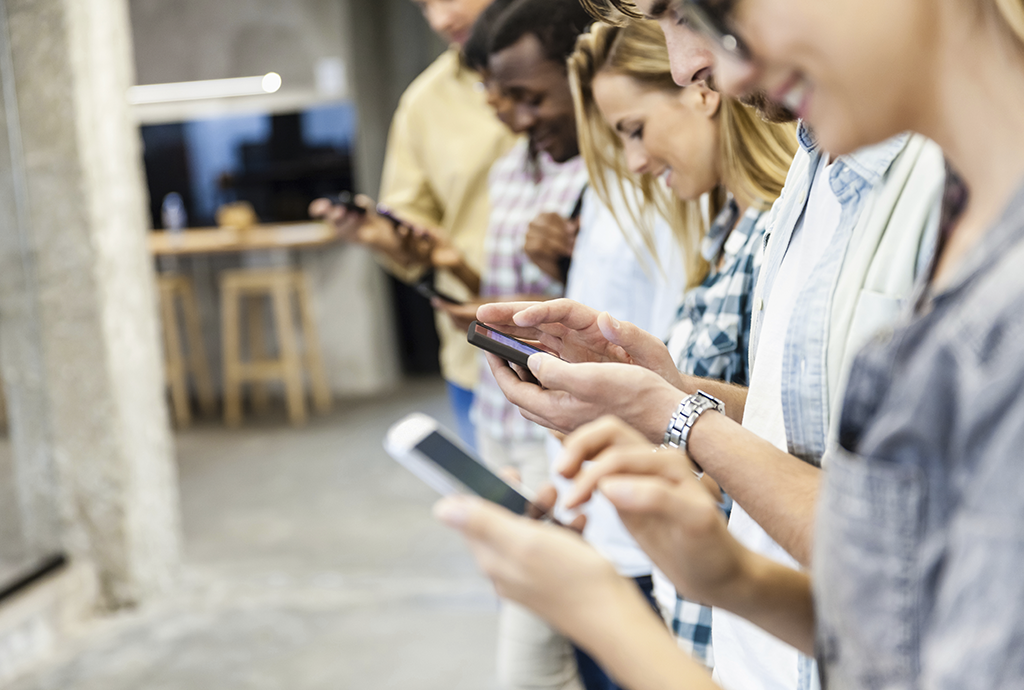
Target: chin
column 843, row 135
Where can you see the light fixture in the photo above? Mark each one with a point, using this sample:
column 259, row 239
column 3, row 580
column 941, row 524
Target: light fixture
column 206, row 89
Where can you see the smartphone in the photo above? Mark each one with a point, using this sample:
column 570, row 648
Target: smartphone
column 427, row 289
column 505, row 346
column 431, row 452
column 348, row 201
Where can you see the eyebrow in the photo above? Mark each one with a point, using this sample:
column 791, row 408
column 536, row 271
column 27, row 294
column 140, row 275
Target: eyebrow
column 659, row 8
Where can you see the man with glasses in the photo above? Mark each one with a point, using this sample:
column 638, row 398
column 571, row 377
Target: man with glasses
column 845, row 243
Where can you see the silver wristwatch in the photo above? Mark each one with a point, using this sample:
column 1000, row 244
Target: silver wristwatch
column 690, row 409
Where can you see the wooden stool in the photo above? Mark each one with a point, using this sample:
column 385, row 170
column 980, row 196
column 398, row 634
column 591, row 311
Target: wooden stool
column 279, row 285
column 174, row 287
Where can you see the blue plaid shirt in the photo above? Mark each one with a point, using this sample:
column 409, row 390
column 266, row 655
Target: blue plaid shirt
column 712, row 331
column 710, row 340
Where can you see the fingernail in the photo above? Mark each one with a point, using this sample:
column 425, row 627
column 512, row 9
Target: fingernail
column 616, row 490
column 615, row 322
column 452, row 511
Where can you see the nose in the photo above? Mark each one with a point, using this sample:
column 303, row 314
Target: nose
column 734, row 76
column 523, row 118
column 689, row 54
column 637, row 159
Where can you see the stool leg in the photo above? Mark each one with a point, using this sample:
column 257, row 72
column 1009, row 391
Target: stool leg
column 175, row 362
column 290, row 363
column 232, row 365
column 314, row 360
column 196, row 350
column 257, row 351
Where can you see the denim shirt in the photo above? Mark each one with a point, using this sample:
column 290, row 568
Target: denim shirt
column 896, row 182
column 919, row 556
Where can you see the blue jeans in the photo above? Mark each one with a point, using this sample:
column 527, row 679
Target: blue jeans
column 592, row 675
column 461, row 400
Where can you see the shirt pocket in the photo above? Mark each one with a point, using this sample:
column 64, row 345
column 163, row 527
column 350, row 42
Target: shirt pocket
column 865, row 572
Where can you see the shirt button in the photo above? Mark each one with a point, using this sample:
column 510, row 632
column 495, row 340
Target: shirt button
column 760, row 304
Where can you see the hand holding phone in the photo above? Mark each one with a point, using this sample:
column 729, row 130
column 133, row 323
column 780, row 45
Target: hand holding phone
column 433, row 454
column 505, row 346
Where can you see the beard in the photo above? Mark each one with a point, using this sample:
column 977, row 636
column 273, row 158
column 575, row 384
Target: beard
column 769, row 110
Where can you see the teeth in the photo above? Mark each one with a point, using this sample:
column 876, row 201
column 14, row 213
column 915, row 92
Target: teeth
column 794, row 98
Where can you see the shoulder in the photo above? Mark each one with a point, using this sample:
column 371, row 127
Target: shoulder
column 445, row 72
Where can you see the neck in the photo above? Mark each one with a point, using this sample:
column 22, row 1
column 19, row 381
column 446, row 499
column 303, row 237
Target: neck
column 977, row 117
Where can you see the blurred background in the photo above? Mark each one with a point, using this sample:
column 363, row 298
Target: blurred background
column 159, row 526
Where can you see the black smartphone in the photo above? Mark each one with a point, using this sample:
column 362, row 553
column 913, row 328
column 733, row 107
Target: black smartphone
column 427, row 289
column 347, row 200
column 505, row 346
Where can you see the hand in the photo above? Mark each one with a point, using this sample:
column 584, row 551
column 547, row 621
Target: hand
column 461, row 314
column 577, row 333
column 367, row 228
column 571, row 395
column 673, row 517
column 546, row 568
column 550, row 238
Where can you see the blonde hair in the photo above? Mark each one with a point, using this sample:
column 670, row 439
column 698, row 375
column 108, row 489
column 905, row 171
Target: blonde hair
column 755, row 155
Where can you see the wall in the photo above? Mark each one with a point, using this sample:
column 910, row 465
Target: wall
column 383, row 45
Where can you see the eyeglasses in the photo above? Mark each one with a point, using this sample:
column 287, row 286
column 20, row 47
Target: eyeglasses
column 711, row 18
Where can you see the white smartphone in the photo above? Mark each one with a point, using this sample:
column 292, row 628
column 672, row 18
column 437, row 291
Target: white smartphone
column 436, row 456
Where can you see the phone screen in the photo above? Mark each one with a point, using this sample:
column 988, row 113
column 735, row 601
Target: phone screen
column 476, row 477
column 506, row 340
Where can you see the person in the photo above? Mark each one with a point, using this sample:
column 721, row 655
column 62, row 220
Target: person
column 641, row 128
column 442, row 144
column 920, row 500
column 840, row 256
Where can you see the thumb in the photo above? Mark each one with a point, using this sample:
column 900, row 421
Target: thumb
column 629, row 337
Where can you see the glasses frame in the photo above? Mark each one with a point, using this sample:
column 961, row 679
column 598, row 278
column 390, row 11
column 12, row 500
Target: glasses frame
column 715, row 25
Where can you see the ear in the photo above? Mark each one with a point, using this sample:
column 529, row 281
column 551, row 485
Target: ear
column 706, row 99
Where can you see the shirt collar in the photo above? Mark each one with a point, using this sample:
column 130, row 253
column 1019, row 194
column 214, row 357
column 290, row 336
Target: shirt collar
column 862, row 169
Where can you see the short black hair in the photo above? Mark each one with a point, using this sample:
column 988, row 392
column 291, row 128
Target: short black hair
column 556, row 24
column 477, row 46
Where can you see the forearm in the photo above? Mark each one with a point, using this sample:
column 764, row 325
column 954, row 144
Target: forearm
column 467, row 276
column 636, row 649
column 775, row 598
column 777, row 490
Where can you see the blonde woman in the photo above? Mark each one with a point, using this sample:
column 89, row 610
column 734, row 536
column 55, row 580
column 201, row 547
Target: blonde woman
column 678, row 145
column 637, row 129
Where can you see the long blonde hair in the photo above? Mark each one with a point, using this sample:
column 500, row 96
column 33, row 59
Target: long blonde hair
column 755, row 155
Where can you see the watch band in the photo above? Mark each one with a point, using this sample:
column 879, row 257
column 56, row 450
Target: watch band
column 690, row 409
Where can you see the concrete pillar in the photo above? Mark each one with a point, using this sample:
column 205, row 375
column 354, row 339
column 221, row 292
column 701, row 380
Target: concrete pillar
column 79, row 343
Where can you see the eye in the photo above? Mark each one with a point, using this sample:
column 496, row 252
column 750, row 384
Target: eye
column 637, row 133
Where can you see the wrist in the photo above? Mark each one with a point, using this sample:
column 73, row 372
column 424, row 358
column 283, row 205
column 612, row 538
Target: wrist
column 668, row 399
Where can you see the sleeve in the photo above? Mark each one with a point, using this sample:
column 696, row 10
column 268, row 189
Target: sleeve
column 405, row 185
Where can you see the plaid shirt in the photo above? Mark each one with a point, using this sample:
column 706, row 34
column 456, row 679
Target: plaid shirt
column 520, row 189
column 710, row 340
column 712, row 331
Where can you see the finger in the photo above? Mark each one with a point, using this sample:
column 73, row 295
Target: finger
column 547, row 496
column 589, row 440
column 319, row 207
column 639, row 495
column 635, row 341
column 630, row 461
column 567, row 312
column 501, row 313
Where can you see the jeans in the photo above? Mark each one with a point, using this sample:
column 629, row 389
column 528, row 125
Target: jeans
column 592, row 675
column 461, row 400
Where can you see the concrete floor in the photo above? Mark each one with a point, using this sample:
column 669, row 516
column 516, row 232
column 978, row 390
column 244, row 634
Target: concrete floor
column 311, row 561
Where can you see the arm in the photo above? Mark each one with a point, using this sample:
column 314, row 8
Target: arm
column 779, row 491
